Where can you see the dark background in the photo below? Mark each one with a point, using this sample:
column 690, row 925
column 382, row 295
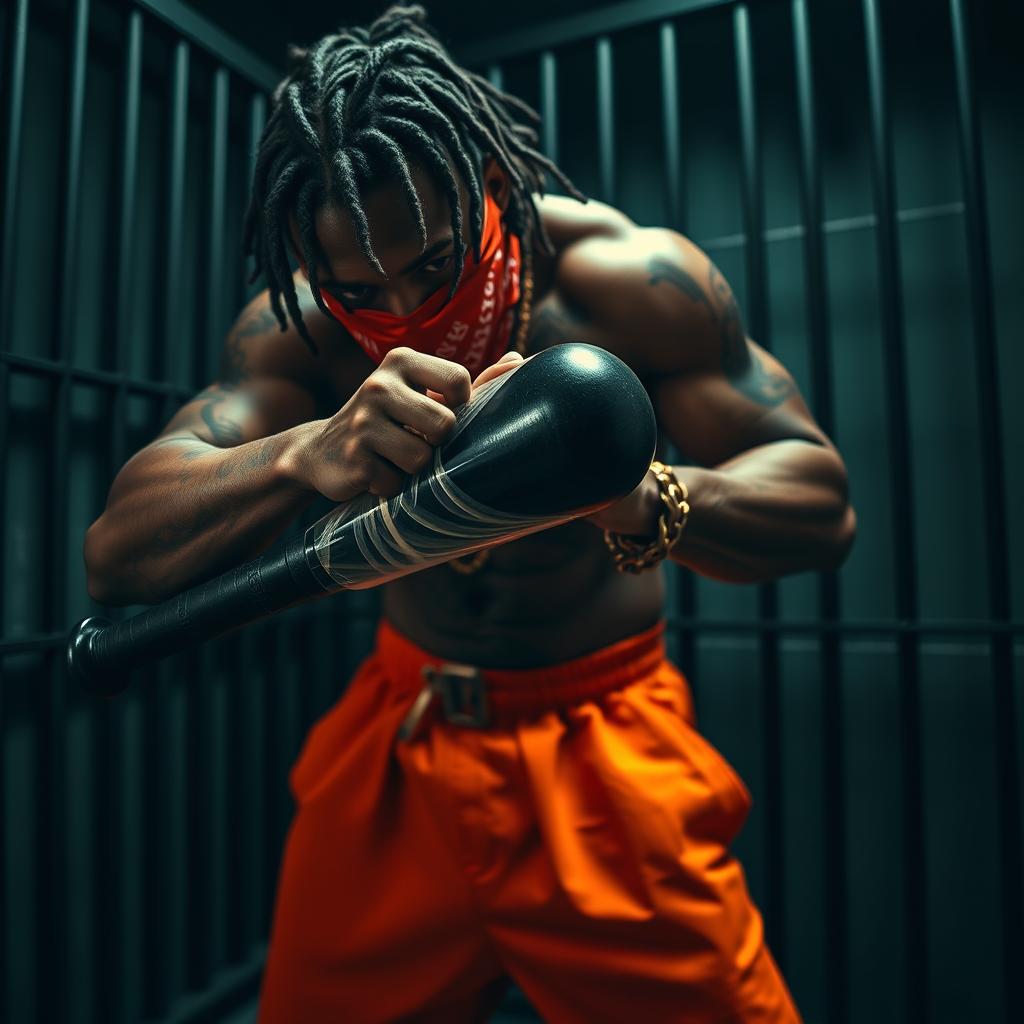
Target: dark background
column 267, row 27
column 879, row 734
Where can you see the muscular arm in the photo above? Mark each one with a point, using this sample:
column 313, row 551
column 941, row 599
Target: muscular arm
column 768, row 490
column 213, row 488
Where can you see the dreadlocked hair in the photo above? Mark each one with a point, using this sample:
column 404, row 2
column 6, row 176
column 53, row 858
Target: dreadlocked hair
column 355, row 109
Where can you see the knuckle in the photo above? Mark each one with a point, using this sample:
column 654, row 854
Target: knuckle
column 397, row 356
column 360, row 419
column 375, row 386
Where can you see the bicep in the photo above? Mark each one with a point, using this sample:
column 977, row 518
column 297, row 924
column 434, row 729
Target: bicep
column 267, row 383
column 711, row 415
column 227, row 414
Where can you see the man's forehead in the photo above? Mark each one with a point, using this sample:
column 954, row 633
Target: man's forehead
column 394, row 233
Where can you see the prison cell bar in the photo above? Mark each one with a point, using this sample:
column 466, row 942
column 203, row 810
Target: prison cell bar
column 549, row 105
column 996, row 532
column 756, row 316
column 902, row 505
column 260, row 881
column 112, row 844
column 51, row 700
column 686, row 584
column 819, row 337
column 17, row 34
column 606, row 117
column 206, row 772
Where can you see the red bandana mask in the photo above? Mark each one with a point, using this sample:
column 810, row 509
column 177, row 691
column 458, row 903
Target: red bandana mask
column 472, row 328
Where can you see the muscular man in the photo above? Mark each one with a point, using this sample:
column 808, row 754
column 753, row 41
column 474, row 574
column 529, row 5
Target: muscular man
column 569, row 827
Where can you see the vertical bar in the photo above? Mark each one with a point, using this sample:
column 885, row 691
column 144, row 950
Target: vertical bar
column 215, row 309
column 52, row 697
column 891, row 294
column 258, row 860
column 549, row 105
column 220, row 813
column 110, row 847
column 126, row 227
column 996, row 531
column 685, row 580
column 165, row 849
column 173, row 331
column 15, row 92
column 257, row 118
column 670, row 123
column 756, row 315
column 495, row 76
column 819, row 329
column 606, row 118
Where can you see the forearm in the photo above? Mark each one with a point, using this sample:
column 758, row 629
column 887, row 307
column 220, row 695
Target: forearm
column 182, row 510
column 773, row 510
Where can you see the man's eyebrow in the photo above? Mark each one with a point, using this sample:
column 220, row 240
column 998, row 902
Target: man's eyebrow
column 426, row 256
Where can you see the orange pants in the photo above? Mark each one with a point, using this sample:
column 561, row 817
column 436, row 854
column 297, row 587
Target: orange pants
column 581, row 850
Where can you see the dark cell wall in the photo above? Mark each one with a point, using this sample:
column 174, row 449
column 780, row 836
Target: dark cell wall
column 876, row 715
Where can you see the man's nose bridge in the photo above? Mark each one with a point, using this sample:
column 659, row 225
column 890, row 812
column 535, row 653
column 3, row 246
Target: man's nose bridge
column 402, row 298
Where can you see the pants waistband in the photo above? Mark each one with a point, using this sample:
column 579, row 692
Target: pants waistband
column 513, row 693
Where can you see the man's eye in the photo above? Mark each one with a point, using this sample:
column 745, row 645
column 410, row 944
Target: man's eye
column 437, row 265
column 351, row 293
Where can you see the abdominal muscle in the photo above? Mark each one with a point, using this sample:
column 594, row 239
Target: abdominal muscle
column 541, row 600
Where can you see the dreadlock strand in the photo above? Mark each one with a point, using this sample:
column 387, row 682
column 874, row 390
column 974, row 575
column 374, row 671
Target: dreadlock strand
column 401, row 166
column 345, row 185
column 435, row 158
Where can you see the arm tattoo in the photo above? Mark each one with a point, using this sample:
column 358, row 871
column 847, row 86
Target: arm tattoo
column 223, row 432
column 233, row 369
column 741, row 365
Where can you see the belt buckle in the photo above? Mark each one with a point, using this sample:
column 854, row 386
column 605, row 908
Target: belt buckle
column 463, row 692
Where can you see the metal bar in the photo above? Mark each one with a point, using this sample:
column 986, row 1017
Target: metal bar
column 210, row 777
column 15, row 92
column 52, row 893
column 257, row 119
column 163, row 908
column 99, row 378
column 756, row 315
column 111, row 926
column 126, row 230
column 670, row 124
column 901, row 503
column 578, row 28
column 549, row 104
column 215, row 311
column 173, row 329
column 996, row 530
column 17, row 35
column 188, row 25
column 835, row 227
column 606, row 117
column 819, row 336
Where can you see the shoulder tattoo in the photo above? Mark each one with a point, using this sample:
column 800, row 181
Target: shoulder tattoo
column 740, row 364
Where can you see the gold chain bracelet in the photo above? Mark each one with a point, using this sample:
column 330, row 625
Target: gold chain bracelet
column 634, row 557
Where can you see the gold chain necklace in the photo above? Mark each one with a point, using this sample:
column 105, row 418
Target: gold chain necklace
column 469, row 564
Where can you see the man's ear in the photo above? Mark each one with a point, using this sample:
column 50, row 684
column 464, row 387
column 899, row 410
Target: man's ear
column 497, row 183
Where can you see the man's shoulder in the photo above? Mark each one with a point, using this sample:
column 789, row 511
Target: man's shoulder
column 651, row 285
column 257, row 346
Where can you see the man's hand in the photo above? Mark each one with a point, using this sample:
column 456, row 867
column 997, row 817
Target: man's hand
column 636, row 514
column 507, row 362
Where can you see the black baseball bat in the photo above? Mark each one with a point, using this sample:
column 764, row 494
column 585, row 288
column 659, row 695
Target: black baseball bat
column 560, row 436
